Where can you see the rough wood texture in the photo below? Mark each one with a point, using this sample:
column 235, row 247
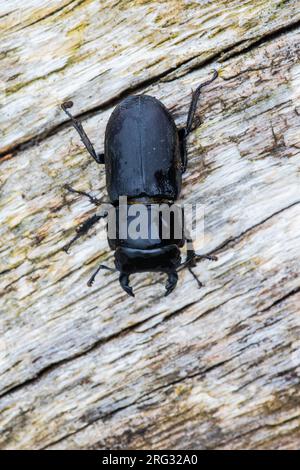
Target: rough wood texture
column 211, row 368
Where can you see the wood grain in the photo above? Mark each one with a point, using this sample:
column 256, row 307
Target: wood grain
column 210, row 368
column 94, row 51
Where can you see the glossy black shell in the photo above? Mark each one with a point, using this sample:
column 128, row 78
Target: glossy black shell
column 142, row 154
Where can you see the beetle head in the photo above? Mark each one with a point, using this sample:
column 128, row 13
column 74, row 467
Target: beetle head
column 164, row 259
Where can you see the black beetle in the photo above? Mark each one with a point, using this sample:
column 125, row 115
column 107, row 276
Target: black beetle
column 145, row 155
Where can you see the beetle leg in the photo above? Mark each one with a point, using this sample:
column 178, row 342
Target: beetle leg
column 102, row 266
column 99, row 158
column 171, row 283
column 209, row 257
column 94, row 200
column 191, row 260
column 196, row 278
column 183, row 149
column 192, row 257
column 124, row 281
column 84, row 228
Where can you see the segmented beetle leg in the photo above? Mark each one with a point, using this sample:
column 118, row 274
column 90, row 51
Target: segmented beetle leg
column 84, row 228
column 83, row 136
column 94, row 200
column 196, row 278
column 171, row 283
column 87, row 224
column 68, row 246
column 183, row 149
column 102, row 266
column 209, row 257
column 124, row 282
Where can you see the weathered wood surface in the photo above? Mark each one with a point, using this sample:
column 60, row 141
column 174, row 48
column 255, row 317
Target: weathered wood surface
column 215, row 368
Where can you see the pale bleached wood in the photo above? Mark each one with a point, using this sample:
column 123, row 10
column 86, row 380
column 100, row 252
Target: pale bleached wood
column 93, row 50
column 210, row 368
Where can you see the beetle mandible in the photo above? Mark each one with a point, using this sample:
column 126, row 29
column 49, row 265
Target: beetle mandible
column 145, row 156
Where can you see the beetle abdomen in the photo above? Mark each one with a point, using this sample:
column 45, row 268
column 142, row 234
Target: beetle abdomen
column 142, row 156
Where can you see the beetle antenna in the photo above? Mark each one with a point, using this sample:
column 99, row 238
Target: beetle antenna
column 83, row 136
column 102, row 266
column 194, row 102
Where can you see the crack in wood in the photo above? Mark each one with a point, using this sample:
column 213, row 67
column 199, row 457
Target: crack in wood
column 252, row 43
column 232, row 240
column 155, row 372
column 49, row 15
column 106, row 416
column 281, row 299
column 120, row 333
column 33, row 141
